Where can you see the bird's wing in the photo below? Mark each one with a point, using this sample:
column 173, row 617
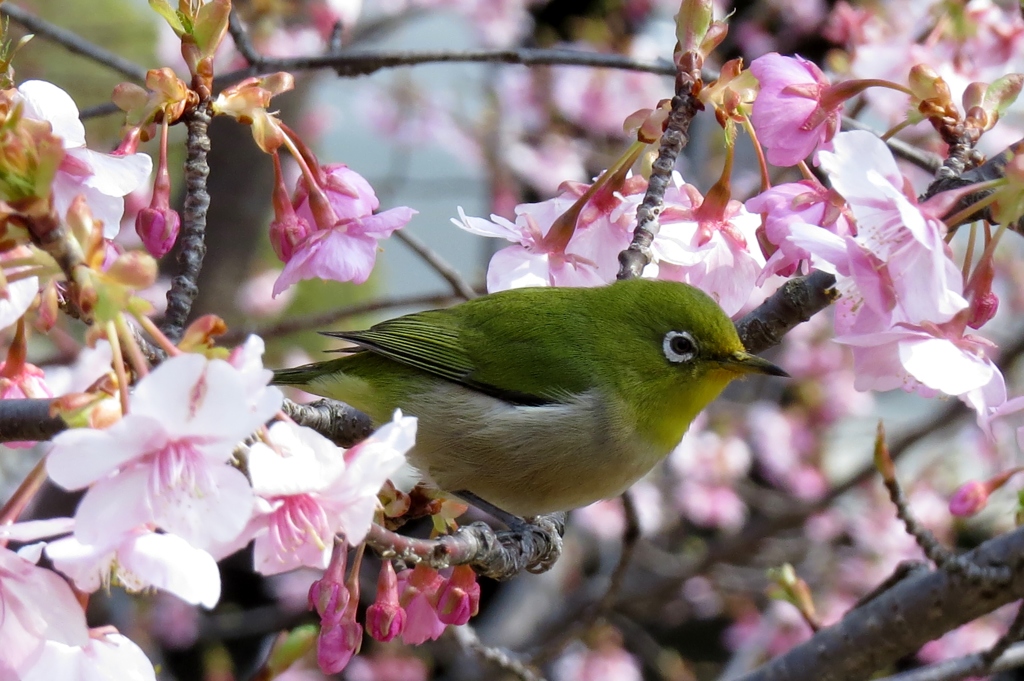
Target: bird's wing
column 429, row 341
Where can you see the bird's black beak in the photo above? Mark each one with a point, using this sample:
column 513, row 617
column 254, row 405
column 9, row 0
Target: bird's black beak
column 746, row 363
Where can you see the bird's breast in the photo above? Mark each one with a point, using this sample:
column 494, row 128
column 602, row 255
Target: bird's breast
column 529, row 460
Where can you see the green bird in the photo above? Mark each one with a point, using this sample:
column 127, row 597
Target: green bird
column 538, row 400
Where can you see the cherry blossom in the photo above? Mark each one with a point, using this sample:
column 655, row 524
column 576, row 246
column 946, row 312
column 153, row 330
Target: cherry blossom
column 140, row 560
column 309, row 490
column 166, row 462
column 419, row 588
column 790, row 114
column 20, row 296
column 712, row 247
column 804, row 202
column 102, row 657
column 104, row 179
column 342, row 246
column 582, row 254
column 37, row 606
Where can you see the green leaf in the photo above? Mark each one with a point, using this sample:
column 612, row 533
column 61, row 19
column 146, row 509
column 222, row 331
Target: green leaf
column 210, row 26
column 170, row 15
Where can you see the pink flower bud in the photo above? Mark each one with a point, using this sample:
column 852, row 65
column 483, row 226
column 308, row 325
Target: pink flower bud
column 983, row 308
column 969, row 499
column 460, row 597
column 158, row 228
column 385, row 619
column 338, row 643
column 286, row 233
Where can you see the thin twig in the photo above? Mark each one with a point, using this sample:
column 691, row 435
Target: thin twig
column 685, row 105
column 467, row 639
column 439, row 264
column 73, row 42
column 241, row 38
column 933, row 549
column 600, row 607
column 359, row 63
column 192, row 238
column 922, row 159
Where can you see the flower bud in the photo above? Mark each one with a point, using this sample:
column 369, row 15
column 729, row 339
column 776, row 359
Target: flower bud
column 969, row 499
column 385, row 619
column 158, row 228
column 338, row 642
column 983, row 308
column 460, row 597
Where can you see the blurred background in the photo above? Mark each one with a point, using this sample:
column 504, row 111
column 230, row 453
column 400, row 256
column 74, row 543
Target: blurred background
column 759, row 482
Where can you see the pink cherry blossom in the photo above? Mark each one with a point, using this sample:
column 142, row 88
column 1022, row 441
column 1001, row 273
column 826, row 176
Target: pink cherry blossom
column 104, row 179
column 166, row 462
column 922, row 282
column 310, row 490
column 797, row 202
column 140, row 560
column 897, row 268
column 102, row 657
column 343, row 244
column 588, row 256
column 927, row 359
column 247, row 358
column 607, row 663
column 419, row 588
column 20, row 296
column 790, row 115
column 706, row 465
column 716, row 251
column 599, row 100
column 36, row 606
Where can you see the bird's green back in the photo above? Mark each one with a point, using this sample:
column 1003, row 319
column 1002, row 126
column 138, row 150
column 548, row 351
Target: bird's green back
column 538, row 345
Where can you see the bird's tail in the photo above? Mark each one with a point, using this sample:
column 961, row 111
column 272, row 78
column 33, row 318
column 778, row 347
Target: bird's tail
column 307, row 373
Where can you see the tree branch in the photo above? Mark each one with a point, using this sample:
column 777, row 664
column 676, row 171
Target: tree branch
column 338, row 422
column 795, row 302
column 28, row 419
column 685, row 106
column 498, row 555
column 73, row 42
column 459, row 285
column 901, row 620
column 192, row 239
column 962, row 667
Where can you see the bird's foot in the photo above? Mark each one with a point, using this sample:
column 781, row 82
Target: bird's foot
column 542, row 533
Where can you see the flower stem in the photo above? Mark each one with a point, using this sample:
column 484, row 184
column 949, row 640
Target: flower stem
column 135, row 355
column 23, row 495
column 122, row 375
column 163, row 341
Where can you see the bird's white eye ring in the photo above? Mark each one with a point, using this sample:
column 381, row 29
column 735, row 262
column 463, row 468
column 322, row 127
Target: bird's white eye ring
column 679, row 346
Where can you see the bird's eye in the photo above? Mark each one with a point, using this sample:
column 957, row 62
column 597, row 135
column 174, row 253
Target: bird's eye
column 679, row 346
